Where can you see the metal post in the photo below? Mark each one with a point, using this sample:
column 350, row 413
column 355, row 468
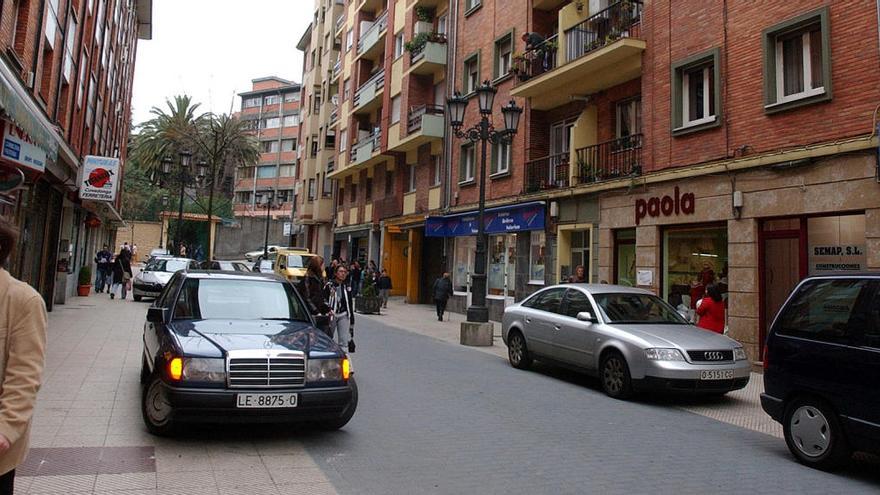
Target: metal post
column 266, row 240
column 177, row 237
column 478, row 312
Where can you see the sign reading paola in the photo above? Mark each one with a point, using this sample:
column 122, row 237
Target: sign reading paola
column 500, row 220
column 100, row 178
column 667, row 206
column 21, row 150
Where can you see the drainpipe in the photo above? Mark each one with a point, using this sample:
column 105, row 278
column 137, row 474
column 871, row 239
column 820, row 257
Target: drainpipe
column 452, row 45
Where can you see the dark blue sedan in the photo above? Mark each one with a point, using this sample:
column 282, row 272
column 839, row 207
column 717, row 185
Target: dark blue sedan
column 239, row 347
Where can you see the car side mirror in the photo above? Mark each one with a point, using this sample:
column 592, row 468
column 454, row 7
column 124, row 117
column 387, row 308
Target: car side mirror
column 156, row 315
column 586, row 316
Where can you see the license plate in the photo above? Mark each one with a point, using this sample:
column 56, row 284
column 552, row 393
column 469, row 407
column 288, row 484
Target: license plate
column 265, row 401
column 716, row 375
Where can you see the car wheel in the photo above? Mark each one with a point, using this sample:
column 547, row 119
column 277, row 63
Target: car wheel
column 517, row 351
column 814, row 435
column 614, row 376
column 337, row 423
column 156, row 408
column 137, row 298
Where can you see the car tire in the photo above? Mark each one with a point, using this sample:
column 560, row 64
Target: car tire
column 145, row 371
column 614, row 376
column 517, row 351
column 137, row 298
column 155, row 408
column 814, row 435
column 337, row 423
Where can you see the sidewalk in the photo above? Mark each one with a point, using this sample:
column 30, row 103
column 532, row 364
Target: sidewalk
column 741, row 408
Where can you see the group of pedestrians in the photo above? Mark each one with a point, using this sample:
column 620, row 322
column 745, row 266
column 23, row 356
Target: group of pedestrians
column 330, row 300
column 359, row 277
column 114, row 272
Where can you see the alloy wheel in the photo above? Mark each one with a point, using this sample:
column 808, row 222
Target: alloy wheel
column 612, row 375
column 515, row 349
column 810, row 431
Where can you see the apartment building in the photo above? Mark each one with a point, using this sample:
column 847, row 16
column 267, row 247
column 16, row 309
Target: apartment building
column 271, row 109
column 66, row 73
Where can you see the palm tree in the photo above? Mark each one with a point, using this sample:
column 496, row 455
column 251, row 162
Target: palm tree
column 168, row 132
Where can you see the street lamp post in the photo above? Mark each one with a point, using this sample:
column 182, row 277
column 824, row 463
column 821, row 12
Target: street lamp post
column 484, row 133
column 184, row 178
column 162, row 225
column 268, row 201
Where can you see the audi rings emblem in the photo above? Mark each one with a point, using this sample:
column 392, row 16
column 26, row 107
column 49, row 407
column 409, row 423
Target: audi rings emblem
column 713, row 356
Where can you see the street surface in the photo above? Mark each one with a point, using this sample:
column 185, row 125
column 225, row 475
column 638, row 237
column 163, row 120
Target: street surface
column 433, row 417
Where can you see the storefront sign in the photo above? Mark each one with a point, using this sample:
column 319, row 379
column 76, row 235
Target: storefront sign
column 666, row 206
column 825, row 259
column 505, row 219
column 100, row 178
column 20, row 149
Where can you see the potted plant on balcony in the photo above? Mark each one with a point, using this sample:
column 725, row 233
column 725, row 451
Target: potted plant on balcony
column 367, row 301
column 85, row 281
column 424, row 20
column 417, row 44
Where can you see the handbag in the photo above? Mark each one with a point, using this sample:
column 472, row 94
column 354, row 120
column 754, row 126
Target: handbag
column 351, row 346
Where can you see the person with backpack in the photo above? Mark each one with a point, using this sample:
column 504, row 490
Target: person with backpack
column 442, row 293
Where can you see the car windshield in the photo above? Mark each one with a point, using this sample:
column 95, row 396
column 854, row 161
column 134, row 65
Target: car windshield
column 165, row 265
column 297, row 260
column 637, row 309
column 225, row 299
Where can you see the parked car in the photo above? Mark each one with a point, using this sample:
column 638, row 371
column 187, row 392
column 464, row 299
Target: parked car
column 226, row 266
column 241, row 347
column 157, row 252
column 150, row 281
column 292, row 263
column 822, row 369
column 264, row 265
column 633, row 340
column 253, row 255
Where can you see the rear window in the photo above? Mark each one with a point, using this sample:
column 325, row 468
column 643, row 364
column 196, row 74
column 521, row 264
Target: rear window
column 823, row 310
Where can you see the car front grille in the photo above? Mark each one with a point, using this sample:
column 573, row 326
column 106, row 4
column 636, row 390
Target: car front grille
column 711, row 356
column 271, row 370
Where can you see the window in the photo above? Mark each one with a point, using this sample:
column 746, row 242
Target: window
column 470, row 5
column 288, row 144
column 353, row 193
column 346, row 90
column 349, row 39
column 503, row 55
column 51, row 23
column 389, row 183
column 442, row 23
column 272, row 100
column 576, row 302
column 343, row 139
column 368, row 190
column 398, row 44
column 395, row 109
column 313, row 193
column 327, row 186
column 823, row 310
column 291, row 120
column 287, row 170
column 411, row 178
column 502, row 265
column 629, row 117
column 69, row 46
column 549, row 300
column 270, row 146
column 471, row 73
column 437, row 170
column 537, row 256
column 245, row 172
column 693, row 258
column 291, row 97
column 500, row 158
column 797, row 61
column 271, row 123
column 463, row 262
column 574, row 251
column 466, row 165
column 696, row 93
column 267, row 172
column 625, row 257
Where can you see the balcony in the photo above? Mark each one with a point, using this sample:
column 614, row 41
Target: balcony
column 370, row 43
column 609, row 160
column 337, row 70
column 549, row 172
column 368, row 95
column 428, row 54
column 365, row 149
column 595, row 54
column 334, row 115
column 340, row 23
column 424, row 124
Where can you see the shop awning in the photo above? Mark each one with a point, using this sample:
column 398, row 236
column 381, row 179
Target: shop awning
column 498, row 220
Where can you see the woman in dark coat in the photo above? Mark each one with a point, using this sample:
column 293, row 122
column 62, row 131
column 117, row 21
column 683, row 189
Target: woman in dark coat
column 311, row 288
column 121, row 273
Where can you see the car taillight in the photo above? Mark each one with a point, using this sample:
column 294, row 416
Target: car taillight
column 766, row 356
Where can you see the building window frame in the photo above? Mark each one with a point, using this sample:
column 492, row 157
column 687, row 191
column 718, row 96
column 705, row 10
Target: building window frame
column 469, row 83
column 471, row 6
column 399, row 45
column 499, row 58
column 411, row 178
column 709, row 62
column 467, row 163
column 437, row 170
column 395, row 108
column 501, row 152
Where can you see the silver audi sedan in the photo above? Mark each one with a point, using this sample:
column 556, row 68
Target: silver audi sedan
column 630, row 338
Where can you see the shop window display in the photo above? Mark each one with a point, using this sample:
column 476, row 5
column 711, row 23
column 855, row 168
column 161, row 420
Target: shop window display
column 502, row 265
column 693, row 259
column 465, row 250
column 537, row 253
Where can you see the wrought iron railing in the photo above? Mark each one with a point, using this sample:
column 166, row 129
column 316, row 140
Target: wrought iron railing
column 417, row 50
column 536, row 60
column 609, row 160
column 337, row 68
column 378, row 26
column 377, row 81
column 414, row 119
column 340, row 21
column 334, row 115
column 549, row 172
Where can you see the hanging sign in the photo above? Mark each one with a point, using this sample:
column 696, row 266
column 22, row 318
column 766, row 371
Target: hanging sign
column 100, row 178
column 21, row 150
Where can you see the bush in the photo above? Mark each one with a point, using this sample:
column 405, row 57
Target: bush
column 369, row 287
column 85, row 275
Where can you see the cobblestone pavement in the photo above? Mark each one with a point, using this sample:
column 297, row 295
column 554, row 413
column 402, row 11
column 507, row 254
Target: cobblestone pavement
column 740, row 408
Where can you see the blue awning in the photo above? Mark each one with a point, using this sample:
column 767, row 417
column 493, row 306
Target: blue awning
column 498, row 220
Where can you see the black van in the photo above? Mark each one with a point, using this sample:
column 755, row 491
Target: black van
column 822, row 369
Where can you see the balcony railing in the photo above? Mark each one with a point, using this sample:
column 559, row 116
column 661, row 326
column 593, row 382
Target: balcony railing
column 334, row 115
column 340, row 22
column 414, row 120
column 610, row 160
column 373, row 85
column 378, row 26
column 549, row 172
column 337, row 68
column 372, row 141
column 619, row 20
column 419, row 43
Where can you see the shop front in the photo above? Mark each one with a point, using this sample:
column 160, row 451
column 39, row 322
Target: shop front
column 352, row 243
column 516, row 250
column 755, row 235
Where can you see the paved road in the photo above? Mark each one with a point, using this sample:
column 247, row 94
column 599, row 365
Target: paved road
column 439, row 418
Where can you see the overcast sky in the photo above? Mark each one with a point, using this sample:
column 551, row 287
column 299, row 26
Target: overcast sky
column 211, row 49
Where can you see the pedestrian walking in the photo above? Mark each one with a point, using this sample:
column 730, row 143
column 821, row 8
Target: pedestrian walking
column 442, row 293
column 134, row 252
column 356, row 277
column 103, row 260
column 21, row 368
column 341, row 300
column 383, row 284
column 121, row 274
column 311, row 288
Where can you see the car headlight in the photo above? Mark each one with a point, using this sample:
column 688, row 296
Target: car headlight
column 204, row 370
column 659, row 354
column 328, row 370
column 739, row 354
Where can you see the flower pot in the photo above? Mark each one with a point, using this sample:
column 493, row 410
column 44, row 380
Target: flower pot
column 367, row 304
column 83, row 290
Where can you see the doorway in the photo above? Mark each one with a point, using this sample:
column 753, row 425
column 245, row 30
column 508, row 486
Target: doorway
column 783, row 265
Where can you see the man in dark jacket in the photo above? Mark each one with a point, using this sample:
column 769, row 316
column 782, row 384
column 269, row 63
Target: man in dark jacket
column 442, row 293
column 103, row 261
column 383, row 284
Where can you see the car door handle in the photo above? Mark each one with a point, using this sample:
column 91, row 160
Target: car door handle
column 557, row 327
column 528, row 320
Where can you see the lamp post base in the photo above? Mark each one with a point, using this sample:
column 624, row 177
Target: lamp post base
column 477, row 314
column 478, row 334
